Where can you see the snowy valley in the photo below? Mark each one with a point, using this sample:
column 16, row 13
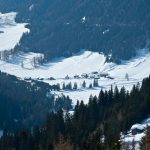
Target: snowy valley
column 79, row 76
column 84, row 66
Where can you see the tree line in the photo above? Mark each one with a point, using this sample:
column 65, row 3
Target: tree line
column 74, row 86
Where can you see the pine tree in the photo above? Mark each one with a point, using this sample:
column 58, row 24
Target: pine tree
column 69, row 86
column 90, row 85
column 22, row 64
column 116, row 94
column 75, row 86
column 84, row 84
column 95, row 83
column 127, row 76
column 58, row 86
column 145, row 143
column 64, row 86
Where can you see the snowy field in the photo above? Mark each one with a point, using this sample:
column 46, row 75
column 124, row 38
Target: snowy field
column 10, row 31
column 72, row 69
column 85, row 62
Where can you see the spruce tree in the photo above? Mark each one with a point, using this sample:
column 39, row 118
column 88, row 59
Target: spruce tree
column 75, row 86
column 145, row 143
column 95, row 83
column 84, row 84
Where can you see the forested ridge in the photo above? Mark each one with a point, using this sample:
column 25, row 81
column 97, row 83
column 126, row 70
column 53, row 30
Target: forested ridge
column 93, row 126
column 26, row 103
column 63, row 27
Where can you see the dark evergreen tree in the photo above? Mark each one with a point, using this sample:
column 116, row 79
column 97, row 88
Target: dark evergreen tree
column 84, row 84
column 145, row 143
column 90, row 85
column 63, row 86
column 95, row 83
column 96, row 125
column 75, row 86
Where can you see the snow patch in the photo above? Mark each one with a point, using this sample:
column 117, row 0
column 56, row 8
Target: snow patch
column 83, row 19
column 106, row 31
column 31, row 7
column 11, row 32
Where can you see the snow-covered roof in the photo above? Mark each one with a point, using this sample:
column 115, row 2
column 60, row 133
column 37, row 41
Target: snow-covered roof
column 138, row 126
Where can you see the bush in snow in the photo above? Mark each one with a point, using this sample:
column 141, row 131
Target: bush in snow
column 127, row 76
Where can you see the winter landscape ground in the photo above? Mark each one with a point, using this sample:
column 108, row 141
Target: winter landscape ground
column 84, row 66
column 72, row 69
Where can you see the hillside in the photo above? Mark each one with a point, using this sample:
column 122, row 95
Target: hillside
column 64, row 27
column 26, row 104
column 94, row 126
column 10, row 31
column 74, row 75
column 64, row 71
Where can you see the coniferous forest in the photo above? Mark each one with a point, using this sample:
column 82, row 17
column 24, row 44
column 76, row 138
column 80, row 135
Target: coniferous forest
column 26, row 103
column 93, row 126
column 35, row 111
column 64, row 27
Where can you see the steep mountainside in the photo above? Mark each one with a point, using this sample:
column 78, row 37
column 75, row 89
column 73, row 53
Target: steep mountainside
column 63, row 27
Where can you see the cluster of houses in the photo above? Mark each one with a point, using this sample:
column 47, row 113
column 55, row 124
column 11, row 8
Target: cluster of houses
column 92, row 75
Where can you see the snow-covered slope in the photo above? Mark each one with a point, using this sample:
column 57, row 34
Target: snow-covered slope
column 83, row 62
column 10, row 31
column 72, row 69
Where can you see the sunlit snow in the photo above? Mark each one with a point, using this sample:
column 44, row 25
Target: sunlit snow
column 10, row 31
column 84, row 62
